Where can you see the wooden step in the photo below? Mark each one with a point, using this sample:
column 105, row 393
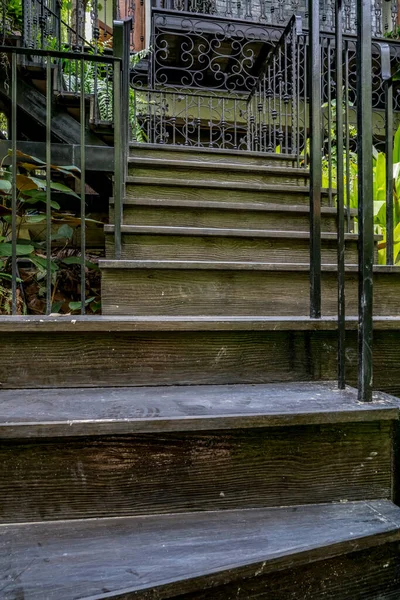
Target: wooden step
column 179, row 169
column 121, row 451
column 209, row 213
column 145, row 188
column 181, row 555
column 134, row 287
column 63, row 412
column 212, row 155
column 140, row 351
column 225, row 244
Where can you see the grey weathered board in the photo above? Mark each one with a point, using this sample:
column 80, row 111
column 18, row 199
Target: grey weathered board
column 161, row 243
column 177, row 554
column 164, row 472
column 232, row 288
column 208, row 213
column 69, row 412
column 182, row 351
column 372, row 574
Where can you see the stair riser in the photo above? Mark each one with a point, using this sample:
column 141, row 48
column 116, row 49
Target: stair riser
column 371, row 574
column 240, row 158
column 209, row 248
column 193, row 357
column 229, row 176
column 235, row 292
column 184, row 472
column 208, row 217
column 193, row 194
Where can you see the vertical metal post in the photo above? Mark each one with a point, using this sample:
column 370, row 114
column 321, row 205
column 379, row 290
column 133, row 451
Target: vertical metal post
column 365, row 198
column 14, row 184
column 83, row 186
column 49, row 90
column 122, row 32
column 314, row 72
column 340, row 194
column 388, row 85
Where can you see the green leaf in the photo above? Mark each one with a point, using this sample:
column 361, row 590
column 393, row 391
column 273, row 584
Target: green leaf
column 78, row 305
column 8, row 276
column 55, row 307
column 76, row 260
column 35, row 218
column 65, row 231
column 396, row 146
column 5, row 186
column 60, row 187
column 41, row 263
column 22, row 249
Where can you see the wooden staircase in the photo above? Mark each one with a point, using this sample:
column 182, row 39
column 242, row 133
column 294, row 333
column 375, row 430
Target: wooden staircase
column 183, row 445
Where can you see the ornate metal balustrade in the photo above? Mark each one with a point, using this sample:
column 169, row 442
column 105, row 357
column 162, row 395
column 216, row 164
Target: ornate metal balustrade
column 384, row 13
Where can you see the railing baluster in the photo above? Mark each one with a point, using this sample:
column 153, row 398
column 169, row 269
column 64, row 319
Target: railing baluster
column 14, row 184
column 316, row 160
column 83, row 186
column 365, row 198
column 388, row 87
column 340, row 195
column 48, row 185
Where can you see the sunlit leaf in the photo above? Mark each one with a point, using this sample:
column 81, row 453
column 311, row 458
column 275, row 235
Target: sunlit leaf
column 21, row 249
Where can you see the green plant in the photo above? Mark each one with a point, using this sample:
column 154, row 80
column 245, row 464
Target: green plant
column 31, row 196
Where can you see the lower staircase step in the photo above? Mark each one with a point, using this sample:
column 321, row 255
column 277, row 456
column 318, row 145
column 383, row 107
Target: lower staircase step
column 171, row 555
column 117, row 452
column 95, row 411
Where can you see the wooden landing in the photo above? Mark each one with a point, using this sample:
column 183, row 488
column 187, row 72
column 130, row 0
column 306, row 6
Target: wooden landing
column 175, row 554
column 110, row 411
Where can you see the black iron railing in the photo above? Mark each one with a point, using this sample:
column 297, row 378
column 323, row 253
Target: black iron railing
column 384, row 13
column 44, row 219
column 277, row 104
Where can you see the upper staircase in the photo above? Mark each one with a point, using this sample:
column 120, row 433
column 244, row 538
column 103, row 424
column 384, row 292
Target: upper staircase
column 124, row 478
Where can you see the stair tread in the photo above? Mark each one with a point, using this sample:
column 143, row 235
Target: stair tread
column 98, row 558
column 115, row 324
column 245, row 206
column 246, row 185
column 190, row 164
column 210, row 151
column 95, row 411
column 232, row 265
column 228, row 232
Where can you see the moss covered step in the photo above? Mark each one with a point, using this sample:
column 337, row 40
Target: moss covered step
column 149, row 287
column 223, row 244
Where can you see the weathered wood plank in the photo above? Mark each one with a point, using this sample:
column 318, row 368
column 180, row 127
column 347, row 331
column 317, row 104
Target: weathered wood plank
column 212, row 155
column 183, row 171
column 193, row 471
column 224, row 246
column 265, row 291
column 372, row 574
column 228, row 353
column 172, row 555
column 143, row 189
column 204, row 214
column 111, row 411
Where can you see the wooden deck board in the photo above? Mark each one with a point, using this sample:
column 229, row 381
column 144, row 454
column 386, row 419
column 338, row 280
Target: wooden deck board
column 88, row 558
column 95, row 411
